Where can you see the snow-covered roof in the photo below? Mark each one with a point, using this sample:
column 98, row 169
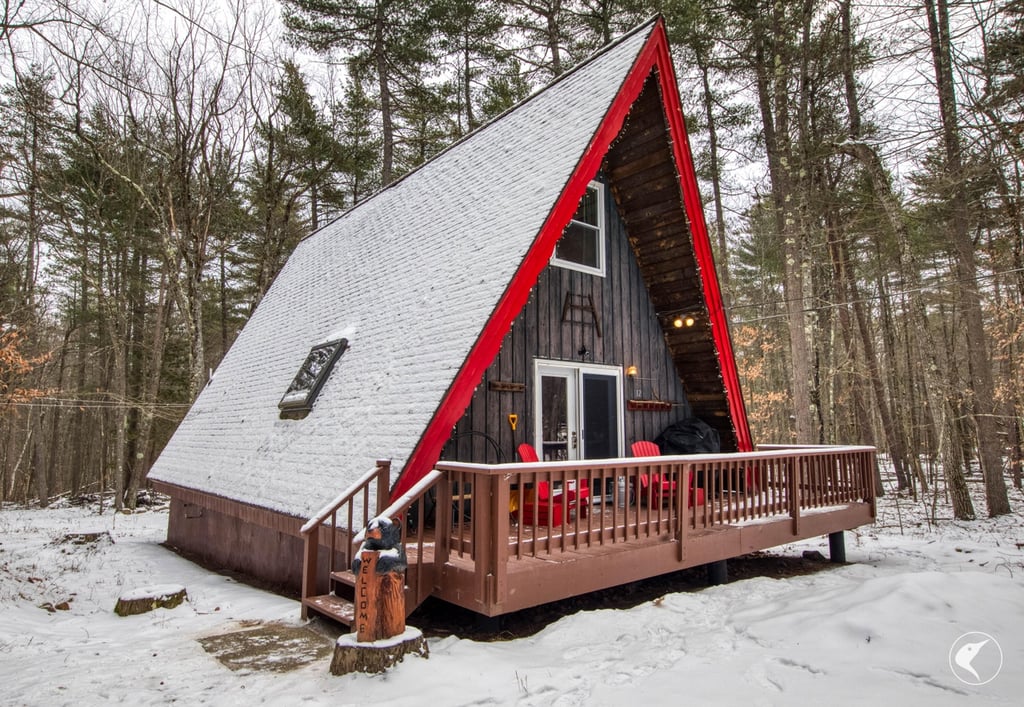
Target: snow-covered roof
column 409, row 277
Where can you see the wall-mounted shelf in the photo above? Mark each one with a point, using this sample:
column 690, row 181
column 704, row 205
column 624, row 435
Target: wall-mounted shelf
column 655, row 405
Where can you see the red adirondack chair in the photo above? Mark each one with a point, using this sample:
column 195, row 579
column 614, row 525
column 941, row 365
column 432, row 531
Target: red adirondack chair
column 543, row 505
column 662, row 489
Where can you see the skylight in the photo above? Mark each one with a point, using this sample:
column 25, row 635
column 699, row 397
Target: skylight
column 298, row 399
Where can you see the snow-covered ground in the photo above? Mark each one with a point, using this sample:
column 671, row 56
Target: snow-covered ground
column 878, row 629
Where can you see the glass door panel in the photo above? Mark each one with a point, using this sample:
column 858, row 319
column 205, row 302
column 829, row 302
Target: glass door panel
column 600, row 416
column 579, row 411
column 559, row 434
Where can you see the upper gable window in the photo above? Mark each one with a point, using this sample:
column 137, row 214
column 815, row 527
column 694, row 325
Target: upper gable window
column 582, row 244
column 298, row 399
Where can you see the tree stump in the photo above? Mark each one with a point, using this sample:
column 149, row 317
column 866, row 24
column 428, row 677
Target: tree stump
column 139, row 601
column 351, row 656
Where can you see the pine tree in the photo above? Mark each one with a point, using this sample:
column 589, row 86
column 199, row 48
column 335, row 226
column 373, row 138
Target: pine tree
column 360, row 142
column 388, row 38
column 467, row 34
column 294, row 171
column 965, row 264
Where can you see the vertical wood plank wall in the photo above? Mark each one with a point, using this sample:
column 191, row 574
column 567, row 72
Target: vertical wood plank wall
column 630, row 335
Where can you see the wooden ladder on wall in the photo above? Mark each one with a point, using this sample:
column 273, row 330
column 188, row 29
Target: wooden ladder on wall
column 338, row 603
column 580, row 302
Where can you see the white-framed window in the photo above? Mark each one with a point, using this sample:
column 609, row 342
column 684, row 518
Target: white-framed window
column 581, row 246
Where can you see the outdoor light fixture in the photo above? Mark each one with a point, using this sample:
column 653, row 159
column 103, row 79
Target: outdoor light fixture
column 683, row 320
column 633, row 373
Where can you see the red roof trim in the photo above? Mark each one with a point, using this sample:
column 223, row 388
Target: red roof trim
column 654, row 55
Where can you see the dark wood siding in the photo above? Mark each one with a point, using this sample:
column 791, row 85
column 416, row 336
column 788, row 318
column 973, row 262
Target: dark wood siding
column 630, row 335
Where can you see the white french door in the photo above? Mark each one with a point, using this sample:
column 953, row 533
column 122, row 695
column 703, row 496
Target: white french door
column 578, row 411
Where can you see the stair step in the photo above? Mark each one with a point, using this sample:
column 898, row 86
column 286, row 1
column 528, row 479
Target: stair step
column 341, row 610
column 346, row 577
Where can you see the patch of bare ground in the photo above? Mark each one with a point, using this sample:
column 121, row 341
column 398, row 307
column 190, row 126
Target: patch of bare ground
column 272, row 647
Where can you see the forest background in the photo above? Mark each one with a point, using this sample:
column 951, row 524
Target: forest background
column 861, row 164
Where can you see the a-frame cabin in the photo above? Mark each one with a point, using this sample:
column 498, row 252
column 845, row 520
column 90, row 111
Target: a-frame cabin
column 549, row 281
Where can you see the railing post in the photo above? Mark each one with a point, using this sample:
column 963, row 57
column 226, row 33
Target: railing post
column 483, row 491
column 683, row 501
column 870, row 462
column 793, row 491
column 500, row 515
column 442, row 524
column 334, row 544
column 309, row 567
column 383, row 486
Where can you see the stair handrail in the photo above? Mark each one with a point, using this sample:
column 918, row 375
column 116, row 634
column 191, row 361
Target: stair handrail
column 401, row 504
column 343, row 497
column 381, row 473
column 416, row 588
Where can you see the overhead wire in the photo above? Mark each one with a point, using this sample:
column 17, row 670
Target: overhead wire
column 871, row 298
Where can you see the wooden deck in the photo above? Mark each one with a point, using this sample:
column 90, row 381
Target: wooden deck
column 475, row 549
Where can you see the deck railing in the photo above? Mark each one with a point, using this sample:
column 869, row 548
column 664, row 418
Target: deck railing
column 355, row 506
column 480, row 501
column 482, row 523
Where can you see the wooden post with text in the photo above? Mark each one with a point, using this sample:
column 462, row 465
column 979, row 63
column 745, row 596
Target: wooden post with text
column 380, row 606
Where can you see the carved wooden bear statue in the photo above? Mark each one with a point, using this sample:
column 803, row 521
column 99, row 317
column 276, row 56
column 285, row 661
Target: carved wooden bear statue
column 385, row 537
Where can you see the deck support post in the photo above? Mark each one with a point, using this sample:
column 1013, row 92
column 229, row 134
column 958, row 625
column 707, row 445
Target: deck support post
column 718, row 572
column 383, row 484
column 837, row 547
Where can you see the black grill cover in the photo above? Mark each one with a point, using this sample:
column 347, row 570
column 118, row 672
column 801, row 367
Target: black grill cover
column 689, row 436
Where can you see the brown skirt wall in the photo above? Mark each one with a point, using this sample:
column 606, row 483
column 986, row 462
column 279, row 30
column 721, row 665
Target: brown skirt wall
column 229, row 536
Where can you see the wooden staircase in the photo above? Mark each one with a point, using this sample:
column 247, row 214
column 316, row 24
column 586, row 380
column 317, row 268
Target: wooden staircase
column 339, row 605
column 324, row 531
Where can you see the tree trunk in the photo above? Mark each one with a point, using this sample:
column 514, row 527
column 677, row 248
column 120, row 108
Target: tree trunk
column 716, row 183
column 467, row 85
column 847, row 292
column 53, row 459
column 965, row 268
column 387, row 125
column 1016, row 452
column 154, row 366
column 553, row 36
column 773, row 102
column 952, row 467
column 120, row 415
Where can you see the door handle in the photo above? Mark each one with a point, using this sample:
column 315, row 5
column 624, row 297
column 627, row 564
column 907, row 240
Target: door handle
column 574, row 439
